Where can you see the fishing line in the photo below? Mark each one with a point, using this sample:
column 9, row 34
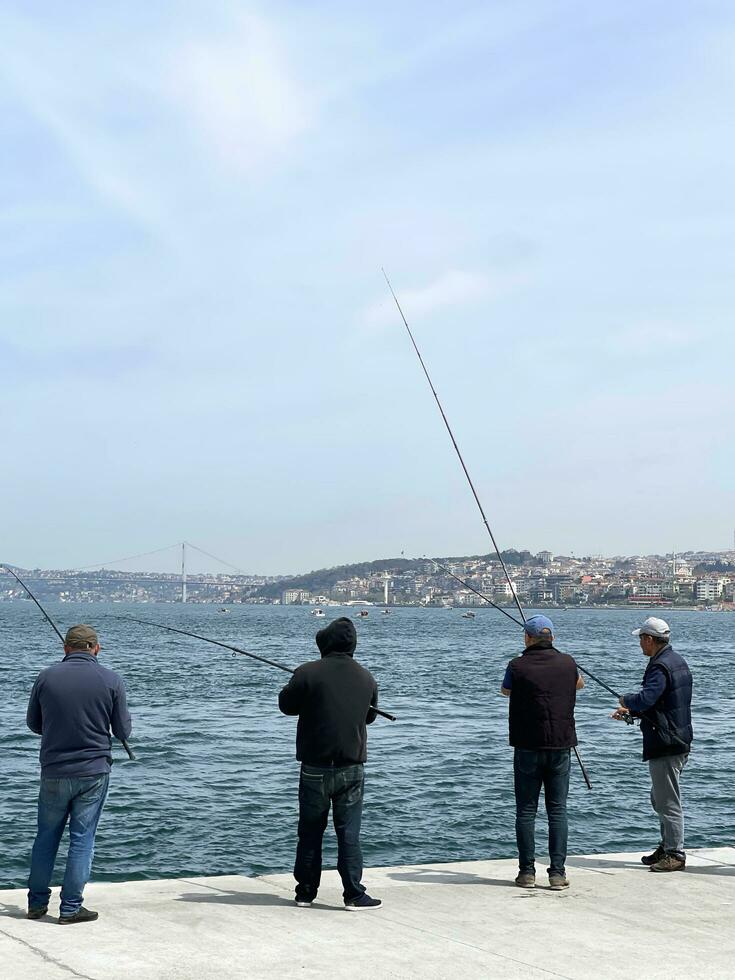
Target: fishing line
column 54, row 627
column 227, row 646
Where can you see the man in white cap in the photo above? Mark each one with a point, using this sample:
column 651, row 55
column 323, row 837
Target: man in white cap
column 663, row 705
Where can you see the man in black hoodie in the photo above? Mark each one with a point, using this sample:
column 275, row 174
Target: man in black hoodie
column 333, row 698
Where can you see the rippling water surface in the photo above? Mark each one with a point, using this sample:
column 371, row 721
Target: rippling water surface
column 213, row 790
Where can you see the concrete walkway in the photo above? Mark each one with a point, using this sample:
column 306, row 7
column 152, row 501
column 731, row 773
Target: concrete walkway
column 443, row 920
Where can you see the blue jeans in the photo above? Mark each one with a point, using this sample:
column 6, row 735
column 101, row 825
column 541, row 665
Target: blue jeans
column 79, row 801
column 342, row 786
column 533, row 769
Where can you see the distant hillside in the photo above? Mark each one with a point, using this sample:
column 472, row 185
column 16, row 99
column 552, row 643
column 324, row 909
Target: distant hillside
column 323, row 579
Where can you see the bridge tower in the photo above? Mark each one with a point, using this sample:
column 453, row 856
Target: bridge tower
column 183, row 571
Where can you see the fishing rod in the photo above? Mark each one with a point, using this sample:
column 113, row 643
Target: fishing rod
column 456, row 447
column 227, row 646
column 628, row 719
column 467, row 474
column 54, row 627
column 480, row 594
column 45, row 615
column 585, row 774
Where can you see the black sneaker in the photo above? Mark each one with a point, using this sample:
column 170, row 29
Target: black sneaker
column 649, row 859
column 363, row 903
column 83, row 915
column 37, row 913
column 303, row 903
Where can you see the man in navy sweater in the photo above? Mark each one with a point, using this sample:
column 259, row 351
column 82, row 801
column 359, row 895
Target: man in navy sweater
column 73, row 706
column 663, row 705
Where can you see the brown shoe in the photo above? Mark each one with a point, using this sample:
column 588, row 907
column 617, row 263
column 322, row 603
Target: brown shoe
column 558, row 882
column 669, row 862
column 526, row 879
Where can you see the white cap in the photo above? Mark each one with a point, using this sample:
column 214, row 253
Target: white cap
column 654, row 627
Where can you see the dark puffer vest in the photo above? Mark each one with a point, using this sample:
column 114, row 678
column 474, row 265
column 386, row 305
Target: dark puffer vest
column 667, row 726
column 542, row 699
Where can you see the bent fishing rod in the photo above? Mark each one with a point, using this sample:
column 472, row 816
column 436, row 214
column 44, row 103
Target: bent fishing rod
column 585, row 774
column 54, row 627
column 227, row 646
column 467, row 475
column 628, row 719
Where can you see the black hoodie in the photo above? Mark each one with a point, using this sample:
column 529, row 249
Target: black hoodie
column 332, row 698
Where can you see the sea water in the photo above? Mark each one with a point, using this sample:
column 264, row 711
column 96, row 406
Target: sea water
column 214, row 787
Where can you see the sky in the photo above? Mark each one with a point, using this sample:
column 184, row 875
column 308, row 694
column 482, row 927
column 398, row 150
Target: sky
column 196, row 340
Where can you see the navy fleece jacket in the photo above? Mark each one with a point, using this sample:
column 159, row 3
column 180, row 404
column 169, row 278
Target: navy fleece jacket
column 73, row 706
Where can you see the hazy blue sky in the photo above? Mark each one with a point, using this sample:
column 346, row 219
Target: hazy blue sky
column 195, row 337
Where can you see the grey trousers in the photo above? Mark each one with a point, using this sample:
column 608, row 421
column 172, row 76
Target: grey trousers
column 666, row 800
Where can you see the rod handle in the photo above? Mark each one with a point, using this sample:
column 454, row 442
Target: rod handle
column 581, row 766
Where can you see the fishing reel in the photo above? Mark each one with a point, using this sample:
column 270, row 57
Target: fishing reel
column 626, row 717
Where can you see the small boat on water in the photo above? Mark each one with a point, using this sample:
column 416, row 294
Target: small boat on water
column 386, row 612
column 222, row 609
column 468, row 615
column 364, row 612
column 317, row 612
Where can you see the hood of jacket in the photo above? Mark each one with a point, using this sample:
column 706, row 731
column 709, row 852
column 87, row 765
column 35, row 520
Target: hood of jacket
column 339, row 637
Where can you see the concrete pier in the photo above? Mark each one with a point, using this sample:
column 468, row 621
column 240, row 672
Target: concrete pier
column 442, row 920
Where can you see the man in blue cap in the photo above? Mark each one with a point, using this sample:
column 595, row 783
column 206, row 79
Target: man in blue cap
column 542, row 685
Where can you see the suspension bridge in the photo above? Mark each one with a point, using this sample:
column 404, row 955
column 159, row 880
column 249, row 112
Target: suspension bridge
column 182, row 554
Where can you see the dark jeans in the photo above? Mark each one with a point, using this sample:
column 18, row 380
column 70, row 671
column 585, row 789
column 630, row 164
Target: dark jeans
column 79, row 801
column 533, row 769
column 342, row 786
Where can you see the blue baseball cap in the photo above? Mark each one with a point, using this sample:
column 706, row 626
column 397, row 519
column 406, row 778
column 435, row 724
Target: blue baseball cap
column 538, row 625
